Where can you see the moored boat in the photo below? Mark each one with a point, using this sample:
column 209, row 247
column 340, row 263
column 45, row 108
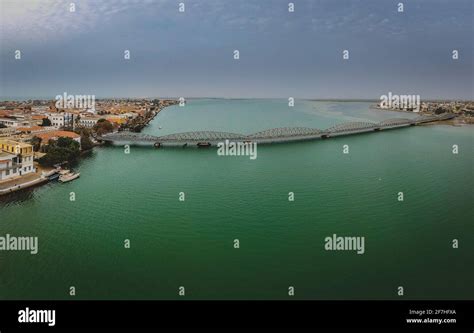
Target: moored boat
column 203, row 144
column 53, row 176
column 68, row 177
column 64, row 172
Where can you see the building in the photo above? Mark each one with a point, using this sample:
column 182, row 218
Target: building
column 60, row 120
column 54, row 135
column 57, row 119
column 8, row 166
column 9, row 131
column 116, row 120
column 35, row 129
column 37, row 119
column 88, row 122
column 14, row 122
column 23, row 152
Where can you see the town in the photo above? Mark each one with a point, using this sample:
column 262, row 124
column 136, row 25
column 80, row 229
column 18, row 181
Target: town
column 464, row 110
column 37, row 138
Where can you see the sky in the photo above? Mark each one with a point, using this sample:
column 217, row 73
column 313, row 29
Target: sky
column 282, row 54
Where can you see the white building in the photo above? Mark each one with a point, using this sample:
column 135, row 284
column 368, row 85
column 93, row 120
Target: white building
column 8, row 166
column 23, row 152
column 88, row 122
column 57, row 119
column 13, row 122
column 60, row 120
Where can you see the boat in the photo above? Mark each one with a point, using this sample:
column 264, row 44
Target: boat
column 68, row 177
column 203, row 144
column 54, row 176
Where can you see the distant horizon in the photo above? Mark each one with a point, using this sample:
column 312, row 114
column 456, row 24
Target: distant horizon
column 44, row 98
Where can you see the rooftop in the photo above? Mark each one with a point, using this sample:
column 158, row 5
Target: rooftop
column 57, row 134
column 31, row 128
column 14, row 143
column 6, row 156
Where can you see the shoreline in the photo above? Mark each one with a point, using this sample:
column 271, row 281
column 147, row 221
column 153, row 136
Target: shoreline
column 37, row 178
column 19, row 184
column 457, row 121
column 138, row 127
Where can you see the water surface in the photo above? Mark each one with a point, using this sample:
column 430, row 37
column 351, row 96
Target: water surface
column 190, row 243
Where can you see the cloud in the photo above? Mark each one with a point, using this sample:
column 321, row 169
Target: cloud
column 41, row 20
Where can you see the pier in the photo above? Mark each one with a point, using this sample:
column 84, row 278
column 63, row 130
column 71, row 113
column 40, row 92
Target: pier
column 275, row 135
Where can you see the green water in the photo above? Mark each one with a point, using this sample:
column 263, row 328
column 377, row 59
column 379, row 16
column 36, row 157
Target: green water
column 190, row 243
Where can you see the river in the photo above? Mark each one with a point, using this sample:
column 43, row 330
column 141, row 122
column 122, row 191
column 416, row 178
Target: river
column 190, row 243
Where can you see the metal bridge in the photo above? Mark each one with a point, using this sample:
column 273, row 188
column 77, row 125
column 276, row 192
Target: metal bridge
column 275, row 135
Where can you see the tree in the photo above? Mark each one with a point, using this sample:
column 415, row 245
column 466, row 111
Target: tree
column 103, row 126
column 36, row 143
column 86, row 143
column 62, row 150
column 65, row 142
column 46, row 122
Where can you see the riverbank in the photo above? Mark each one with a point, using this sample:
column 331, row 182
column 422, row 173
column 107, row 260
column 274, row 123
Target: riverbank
column 37, row 178
column 22, row 182
column 459, row 120
column 375, row 107
column 138, row 124
column 456, row 122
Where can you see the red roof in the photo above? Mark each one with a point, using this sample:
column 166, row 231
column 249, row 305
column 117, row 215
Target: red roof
column 29, row 129
column 45, row 137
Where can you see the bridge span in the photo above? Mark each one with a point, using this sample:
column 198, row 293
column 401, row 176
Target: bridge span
column 275, row 135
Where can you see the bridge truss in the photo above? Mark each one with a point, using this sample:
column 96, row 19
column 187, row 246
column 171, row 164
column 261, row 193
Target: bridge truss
column 281, row 134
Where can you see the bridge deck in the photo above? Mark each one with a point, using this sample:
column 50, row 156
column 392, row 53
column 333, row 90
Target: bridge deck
column 275, row 135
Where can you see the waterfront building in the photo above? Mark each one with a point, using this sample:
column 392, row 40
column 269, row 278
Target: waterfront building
column 24, row 153
column 8, row 166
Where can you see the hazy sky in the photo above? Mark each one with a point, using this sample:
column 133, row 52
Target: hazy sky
column 282, row 54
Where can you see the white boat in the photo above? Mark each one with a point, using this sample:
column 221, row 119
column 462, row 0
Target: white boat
column 68, row 177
